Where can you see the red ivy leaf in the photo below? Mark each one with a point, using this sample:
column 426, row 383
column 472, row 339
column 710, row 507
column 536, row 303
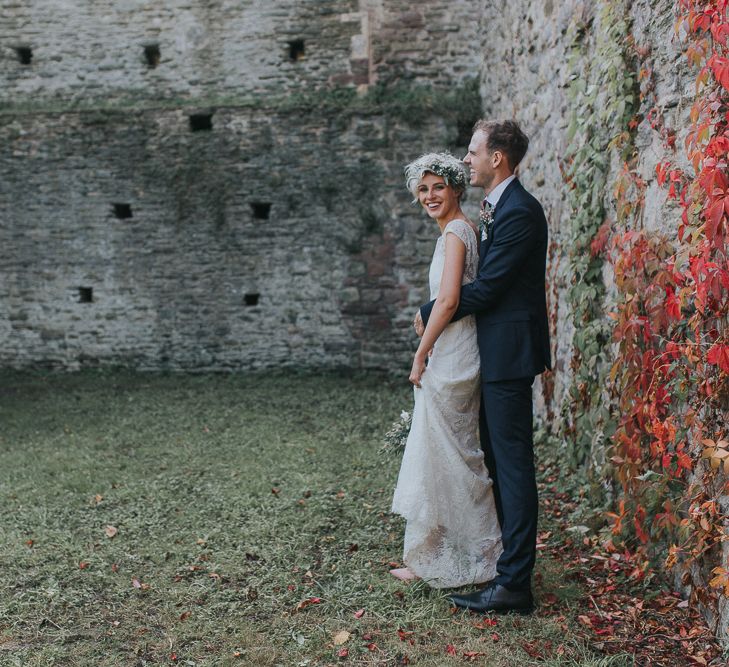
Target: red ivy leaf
column 720, row 68
column 718, row 355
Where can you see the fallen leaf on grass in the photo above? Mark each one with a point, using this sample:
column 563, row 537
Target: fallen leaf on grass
column 536, row 650
column 342, row 637
column 359, row 613
column 451, row 650
column 307, row 603
column 371, row 647
column 138, row 584
column 83, row 565
column 485, row 624
column 110, row 531
column 185, row 615
column 405, row 636
column 472, row 655
column 343, row 652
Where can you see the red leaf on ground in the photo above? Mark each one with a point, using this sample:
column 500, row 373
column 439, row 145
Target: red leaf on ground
column 451, row 650
column 83, row 565
column 343, row 652
column 532, row 648
column 359, row 613
column 307, row 603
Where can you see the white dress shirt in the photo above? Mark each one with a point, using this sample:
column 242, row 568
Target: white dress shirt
column 495, row 194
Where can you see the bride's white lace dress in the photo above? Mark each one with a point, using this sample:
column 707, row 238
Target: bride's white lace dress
column 452, row 535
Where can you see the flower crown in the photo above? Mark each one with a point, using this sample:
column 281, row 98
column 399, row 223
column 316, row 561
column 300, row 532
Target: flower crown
column 445, row 165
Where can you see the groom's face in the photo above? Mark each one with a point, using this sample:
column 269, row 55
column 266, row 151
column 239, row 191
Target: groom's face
column 480, row 161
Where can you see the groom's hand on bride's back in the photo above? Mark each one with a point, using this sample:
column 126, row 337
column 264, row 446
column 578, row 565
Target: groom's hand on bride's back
column 418, row 325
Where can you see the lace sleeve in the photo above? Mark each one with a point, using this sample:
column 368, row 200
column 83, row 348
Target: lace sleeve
column 464, row 231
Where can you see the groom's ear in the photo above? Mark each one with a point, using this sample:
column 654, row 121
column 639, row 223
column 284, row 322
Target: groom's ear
column 498, row 158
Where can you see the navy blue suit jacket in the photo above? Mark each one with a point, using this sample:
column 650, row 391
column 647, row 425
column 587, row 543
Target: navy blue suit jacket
column 508, row 296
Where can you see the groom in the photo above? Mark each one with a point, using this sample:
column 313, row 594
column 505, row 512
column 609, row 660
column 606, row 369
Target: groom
column 509, row 302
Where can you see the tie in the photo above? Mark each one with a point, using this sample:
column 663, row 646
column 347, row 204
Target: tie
column 485, row 219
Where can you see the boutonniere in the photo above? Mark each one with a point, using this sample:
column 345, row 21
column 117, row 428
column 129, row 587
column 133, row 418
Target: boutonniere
column 485, row 219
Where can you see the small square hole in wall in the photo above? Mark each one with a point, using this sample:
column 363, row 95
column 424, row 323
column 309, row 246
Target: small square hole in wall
column 85, row 294
column 201, row 122
column 152, row 55
column 261, row 210
column 251, row 299
column 122, row 211
column 296, row 49
column 25, row 54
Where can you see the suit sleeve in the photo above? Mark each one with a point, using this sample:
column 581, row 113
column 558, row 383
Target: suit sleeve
column 516, row 239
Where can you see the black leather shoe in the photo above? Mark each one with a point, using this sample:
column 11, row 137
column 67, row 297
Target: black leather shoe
column 496, row 598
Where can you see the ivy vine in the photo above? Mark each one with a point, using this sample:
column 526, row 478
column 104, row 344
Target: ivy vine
column 602, row 98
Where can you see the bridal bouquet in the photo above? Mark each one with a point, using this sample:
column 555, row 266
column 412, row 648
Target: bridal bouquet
column 397, row 436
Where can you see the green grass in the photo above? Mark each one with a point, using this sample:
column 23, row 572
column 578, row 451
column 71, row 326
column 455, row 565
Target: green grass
column 235, row 499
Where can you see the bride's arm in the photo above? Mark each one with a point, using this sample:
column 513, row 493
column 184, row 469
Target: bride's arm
column 444, row 306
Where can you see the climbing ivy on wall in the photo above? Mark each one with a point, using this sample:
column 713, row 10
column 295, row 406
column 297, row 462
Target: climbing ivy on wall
column 668, row 381
column 602, row 99
column 671, row 374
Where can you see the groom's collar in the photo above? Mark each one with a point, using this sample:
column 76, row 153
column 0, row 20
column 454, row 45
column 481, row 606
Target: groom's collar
column 495, row 194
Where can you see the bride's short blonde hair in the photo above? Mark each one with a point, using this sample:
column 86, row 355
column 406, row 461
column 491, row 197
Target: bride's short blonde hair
column 445, row 165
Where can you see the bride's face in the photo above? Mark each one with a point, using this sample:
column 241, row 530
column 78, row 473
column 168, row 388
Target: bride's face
column 436, row 197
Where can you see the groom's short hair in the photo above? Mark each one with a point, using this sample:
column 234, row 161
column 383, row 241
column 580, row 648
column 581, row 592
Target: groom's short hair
column 505, row 136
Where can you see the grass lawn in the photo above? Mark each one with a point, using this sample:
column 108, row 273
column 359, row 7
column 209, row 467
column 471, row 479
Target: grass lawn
column 228, row 520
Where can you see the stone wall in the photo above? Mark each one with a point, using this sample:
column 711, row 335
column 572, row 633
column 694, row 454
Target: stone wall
column 101, row 53
column 161, row 224
column 141, row 140
column 527, row 77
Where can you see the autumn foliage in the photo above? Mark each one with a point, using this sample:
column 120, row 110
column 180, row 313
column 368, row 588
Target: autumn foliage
column 670, row 378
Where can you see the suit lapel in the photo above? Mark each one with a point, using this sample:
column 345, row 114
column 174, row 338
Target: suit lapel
column 505, row 196
column 485, row 245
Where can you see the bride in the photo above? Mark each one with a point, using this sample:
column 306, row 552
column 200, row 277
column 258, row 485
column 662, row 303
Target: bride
column 452, row 534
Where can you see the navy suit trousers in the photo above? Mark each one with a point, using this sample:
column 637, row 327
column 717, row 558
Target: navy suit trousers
column 507, row 442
